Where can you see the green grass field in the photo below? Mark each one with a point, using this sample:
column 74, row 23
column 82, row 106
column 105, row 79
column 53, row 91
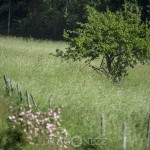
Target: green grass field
column 83, row 93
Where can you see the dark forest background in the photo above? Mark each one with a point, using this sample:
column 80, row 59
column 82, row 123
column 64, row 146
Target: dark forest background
column 47, row 19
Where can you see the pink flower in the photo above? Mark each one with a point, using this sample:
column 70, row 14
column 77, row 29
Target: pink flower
column 40, row 123
column 49, row 112
column 49, row 126
column 56, row 116
column 46, row 119
column 37, row 121
column 34, row 116
column 13, row 117
column 38, row 113
column 22, row 113
column 37, row 129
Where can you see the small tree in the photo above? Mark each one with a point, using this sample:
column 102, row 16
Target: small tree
column 117, row 39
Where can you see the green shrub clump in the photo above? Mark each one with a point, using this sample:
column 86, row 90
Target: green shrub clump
column 38, row 127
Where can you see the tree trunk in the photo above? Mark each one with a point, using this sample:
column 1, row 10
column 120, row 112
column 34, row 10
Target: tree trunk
column 109, row 64
column 9, row 13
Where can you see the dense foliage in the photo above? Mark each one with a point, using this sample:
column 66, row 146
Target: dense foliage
column 49, row 18
column 117, row 39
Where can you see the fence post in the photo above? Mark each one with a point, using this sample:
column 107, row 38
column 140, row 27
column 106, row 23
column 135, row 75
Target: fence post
column 20, row 96
column 33, row 101
column 19, row 93
column 12, row 86
column 102, row 124
column 8, row 86
column 148, row 132
column 49, row 103
column 18, row 89
column 28, row 98
column 124, row 138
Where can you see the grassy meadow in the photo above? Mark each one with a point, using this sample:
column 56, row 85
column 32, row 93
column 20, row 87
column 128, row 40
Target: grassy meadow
column 82, row 92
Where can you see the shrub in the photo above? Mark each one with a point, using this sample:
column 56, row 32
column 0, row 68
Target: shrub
column 38, row 126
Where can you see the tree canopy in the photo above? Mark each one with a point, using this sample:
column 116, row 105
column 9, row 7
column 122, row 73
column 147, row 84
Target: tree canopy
column 117, row 39
column 49, row 18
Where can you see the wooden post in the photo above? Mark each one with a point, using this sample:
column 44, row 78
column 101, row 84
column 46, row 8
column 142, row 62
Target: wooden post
column 12, row 85
column 9, row 88
column 49, row 103
column 28, row 98
column 148, row 132
column 34, row 103
column 102, row 124
column 18, row 89
column 19, row 93
column 6, row 84
column 20, row 96
column 124, row 138
column 5, row 80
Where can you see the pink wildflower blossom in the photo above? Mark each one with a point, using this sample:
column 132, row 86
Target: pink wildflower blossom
column 22, row 113
column 49, row 126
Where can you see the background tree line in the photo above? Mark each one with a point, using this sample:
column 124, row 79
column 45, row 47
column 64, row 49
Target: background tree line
column 49, row 18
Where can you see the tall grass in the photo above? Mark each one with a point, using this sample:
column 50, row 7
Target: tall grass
column 83, row 93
